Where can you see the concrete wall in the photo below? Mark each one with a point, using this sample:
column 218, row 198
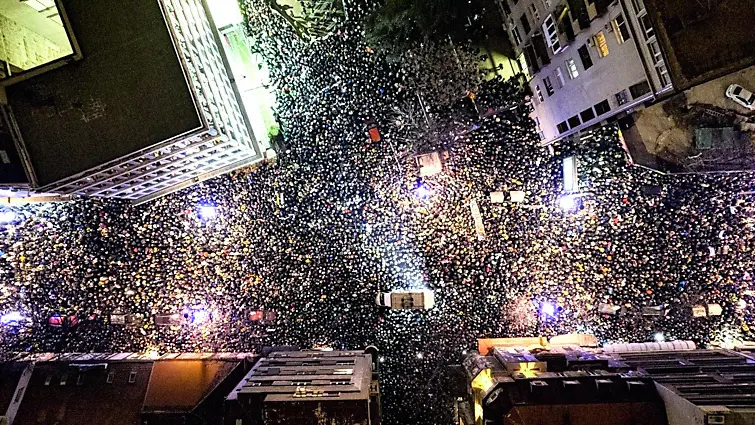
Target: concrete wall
column 607, row 76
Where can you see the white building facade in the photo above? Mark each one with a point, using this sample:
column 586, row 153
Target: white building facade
column 590, row 60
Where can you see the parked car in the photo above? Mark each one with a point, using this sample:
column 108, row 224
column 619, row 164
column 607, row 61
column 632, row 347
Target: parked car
column 260, row 315
column 173, row 321
column 402, row 299
column 742, row 96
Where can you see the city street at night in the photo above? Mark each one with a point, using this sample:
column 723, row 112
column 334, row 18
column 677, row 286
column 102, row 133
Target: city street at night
column 381, row 184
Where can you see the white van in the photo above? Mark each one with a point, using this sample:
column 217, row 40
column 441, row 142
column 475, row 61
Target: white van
column 407, row 299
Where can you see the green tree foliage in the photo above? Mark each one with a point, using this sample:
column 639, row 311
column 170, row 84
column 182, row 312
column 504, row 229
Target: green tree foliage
column 401, row 23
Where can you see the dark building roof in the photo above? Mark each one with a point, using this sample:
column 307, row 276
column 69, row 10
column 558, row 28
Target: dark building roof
column 60, row 393
column 92, row 111
column 120, row 389
column 587, row 414
column 703, row 40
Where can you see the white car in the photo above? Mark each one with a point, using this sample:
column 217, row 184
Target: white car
column 403, row 299
column 742, row 96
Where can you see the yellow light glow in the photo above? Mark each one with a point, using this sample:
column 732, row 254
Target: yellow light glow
column 483, row 381
column 477, row 412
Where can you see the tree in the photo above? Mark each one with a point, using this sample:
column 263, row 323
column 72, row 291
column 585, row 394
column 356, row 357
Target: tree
column 401, row 23
column 309, row 18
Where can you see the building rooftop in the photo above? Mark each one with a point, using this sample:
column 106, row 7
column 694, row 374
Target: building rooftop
column 195, row 378
column 704, row 40
column 308, row 375
column 116, row 388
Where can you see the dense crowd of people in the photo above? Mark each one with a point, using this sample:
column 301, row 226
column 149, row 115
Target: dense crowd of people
column 339, row 217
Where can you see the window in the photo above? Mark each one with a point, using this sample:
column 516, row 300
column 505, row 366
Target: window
column 80, row 379
column 571, row 68
column 663, row 75
column 655, row 51
column 622, row 97
column 574, row 122
column 48, row 380
column 535, row 13
column 64, row 379
column 517, row 37
column 132, row 377
column 621, row 29
column 602, row 108
column 562, row 128
column 560, row 77
column 639, row 89
column 638, row 5
column 110, row 378
column 601, row 44
column 525, row 24
column 551, row 34
column 587, row 115
column 539, row 93
column 505, row 7
column 548, row 86
column 539, row 129
column 343, row 371
column 19, row 393
column 584, row 55
column 647, row 27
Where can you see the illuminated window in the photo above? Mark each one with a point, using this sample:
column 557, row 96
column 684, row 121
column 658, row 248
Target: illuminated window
column 33, row 35
column 601, row 44
column 343, row 371
column 571, row 67
column 539, row 93
column 551, row 32
column 621, row 29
